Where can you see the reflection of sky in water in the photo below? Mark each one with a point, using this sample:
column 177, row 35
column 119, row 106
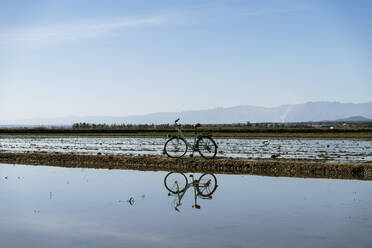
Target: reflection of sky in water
column 330, row 149
column 89, row 208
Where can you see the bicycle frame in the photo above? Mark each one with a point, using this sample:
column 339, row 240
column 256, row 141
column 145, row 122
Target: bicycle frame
column 180, row 195
column 181, row 135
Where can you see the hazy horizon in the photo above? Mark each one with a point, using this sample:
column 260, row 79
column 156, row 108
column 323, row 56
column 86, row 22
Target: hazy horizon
column 309, row 111
column 186, row 110
column 124, row 58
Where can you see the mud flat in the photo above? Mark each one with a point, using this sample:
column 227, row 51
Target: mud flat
column 264, row 167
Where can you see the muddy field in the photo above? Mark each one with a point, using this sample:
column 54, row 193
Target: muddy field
column 329, row 150
column 266, row 167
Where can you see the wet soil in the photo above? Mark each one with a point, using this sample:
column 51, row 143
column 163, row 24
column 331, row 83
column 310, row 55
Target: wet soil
column 264, row 167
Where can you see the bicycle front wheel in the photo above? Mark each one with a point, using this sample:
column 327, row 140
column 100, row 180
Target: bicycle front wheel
column 207, row 184
column 175, row 147
column 175, row 182
column 206, row 147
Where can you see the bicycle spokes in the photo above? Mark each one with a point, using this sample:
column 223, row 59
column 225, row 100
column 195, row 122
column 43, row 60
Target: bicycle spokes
column 175, row 147
column 207, row 185
column 207, row 147
column 175, row 182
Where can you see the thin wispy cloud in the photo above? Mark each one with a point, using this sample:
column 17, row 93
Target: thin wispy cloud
column 273, row 11
column 74, row 31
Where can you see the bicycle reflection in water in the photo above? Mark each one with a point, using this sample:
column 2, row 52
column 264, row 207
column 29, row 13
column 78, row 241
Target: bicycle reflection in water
column 177, row 185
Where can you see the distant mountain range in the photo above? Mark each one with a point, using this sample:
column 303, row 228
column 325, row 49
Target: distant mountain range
column 310, row 111
column 354, row 119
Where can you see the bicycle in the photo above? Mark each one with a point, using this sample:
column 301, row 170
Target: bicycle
column 177, row 146
column 177, row 184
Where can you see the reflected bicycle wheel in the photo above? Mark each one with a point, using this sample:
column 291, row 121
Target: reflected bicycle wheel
column 175, row 182
column 207, row 185
column 175, row 147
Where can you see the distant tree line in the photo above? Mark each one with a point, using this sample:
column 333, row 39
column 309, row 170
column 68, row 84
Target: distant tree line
column 84, row 125
column 235, row 126
column 92, row 126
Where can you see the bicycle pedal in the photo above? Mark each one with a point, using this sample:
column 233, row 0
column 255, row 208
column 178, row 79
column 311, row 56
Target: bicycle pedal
column 191, row 155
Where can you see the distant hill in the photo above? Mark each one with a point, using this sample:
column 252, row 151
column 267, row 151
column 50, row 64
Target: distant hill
column 355, row 119
column 310, row 111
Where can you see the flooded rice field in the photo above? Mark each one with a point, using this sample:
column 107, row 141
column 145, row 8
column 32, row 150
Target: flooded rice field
column 333, row 150
column 66, row 207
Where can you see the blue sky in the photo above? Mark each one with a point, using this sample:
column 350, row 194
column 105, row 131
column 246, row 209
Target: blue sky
column 78, row 58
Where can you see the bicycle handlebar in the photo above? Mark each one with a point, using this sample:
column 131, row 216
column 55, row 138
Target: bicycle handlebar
column 176, row 124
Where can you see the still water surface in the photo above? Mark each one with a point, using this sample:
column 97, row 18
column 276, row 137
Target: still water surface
column 66, row 207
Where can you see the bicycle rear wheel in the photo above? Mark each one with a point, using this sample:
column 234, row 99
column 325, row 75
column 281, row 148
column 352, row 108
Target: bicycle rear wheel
column 175, row 147
column 175, row 182
column 206, row 147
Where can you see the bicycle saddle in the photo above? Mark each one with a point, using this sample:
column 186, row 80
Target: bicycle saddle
column 196, row 125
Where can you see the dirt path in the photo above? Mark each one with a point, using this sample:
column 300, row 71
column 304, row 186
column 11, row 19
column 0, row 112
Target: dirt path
column 264, row 167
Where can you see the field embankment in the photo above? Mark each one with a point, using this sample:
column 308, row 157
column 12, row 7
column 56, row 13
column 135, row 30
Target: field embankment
column 264, row 167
